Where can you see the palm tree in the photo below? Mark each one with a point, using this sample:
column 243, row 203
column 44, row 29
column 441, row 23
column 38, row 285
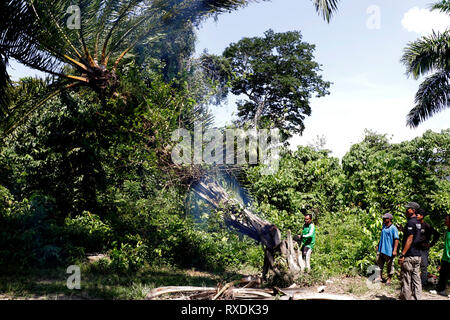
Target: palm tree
column 15, row 17
column 34, row 32
column 430, row 54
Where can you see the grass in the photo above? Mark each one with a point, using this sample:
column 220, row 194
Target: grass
column 51, row 283
column 98, row 283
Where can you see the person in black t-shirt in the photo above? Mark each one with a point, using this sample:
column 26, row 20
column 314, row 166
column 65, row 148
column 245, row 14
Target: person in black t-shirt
column 410, row 257
column 429, row 237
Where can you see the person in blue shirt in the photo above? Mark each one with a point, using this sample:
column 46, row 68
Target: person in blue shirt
column 387, row 248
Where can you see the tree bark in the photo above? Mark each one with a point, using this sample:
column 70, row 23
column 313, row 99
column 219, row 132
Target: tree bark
column 282, row 261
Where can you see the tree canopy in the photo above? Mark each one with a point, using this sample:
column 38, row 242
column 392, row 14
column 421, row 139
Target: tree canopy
column 277, row 75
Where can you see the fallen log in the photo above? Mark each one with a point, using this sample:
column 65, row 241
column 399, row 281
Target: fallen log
column 244, row 292
column 205, row 293
column 199, row 296
column 282, row 261
column 174, row 289
column 212, row 293
column 225, row 287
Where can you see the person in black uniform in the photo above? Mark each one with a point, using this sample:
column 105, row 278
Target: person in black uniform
column 410, row 257
column 429, row 237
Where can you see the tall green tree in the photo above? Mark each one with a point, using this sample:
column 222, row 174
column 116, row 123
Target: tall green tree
column 277, row 75
column 429, row 55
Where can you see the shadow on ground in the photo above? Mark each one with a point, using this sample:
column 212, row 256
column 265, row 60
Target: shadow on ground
column 52, row 284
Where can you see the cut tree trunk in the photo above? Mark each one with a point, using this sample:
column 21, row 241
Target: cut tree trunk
column 282, row 261
column 232, row 293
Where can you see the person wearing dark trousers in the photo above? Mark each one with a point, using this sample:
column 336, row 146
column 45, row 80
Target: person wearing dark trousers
column 387, row 248
column 445, row 263
column 429, row 237
column 409, row 259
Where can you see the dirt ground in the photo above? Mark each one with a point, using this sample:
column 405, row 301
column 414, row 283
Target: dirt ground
column 355, row 288
column 359, row 288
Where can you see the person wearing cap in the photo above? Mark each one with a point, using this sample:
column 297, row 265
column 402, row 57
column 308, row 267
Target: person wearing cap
column 410, row 256
column 387, row 248
column 429, row 237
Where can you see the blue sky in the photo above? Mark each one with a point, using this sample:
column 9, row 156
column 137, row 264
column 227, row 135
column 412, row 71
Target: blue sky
column 370, row 89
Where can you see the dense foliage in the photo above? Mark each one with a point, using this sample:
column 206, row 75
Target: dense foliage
column 75, row 180
column 91, row 173
column 82, row 176
column 349, row 198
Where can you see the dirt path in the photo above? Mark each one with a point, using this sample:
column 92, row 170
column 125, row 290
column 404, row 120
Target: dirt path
column 358, row 288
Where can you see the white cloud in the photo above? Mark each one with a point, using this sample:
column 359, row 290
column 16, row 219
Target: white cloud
column 423, row 21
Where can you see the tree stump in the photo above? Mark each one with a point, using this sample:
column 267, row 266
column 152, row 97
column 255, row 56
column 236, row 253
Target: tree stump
column 282, row 260
column 282, row 264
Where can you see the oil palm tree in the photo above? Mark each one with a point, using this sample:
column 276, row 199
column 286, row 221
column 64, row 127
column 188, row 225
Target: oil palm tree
column 36, row 34
column 14, row 19
column 429, row 55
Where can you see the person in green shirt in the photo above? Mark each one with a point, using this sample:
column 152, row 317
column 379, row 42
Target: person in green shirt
column 445, row 262
column 308, row 239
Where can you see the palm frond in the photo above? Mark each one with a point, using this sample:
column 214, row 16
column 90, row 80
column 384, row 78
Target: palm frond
column 5, row 81
column 17, row 22
column 194, row 10
column 432, row 97
column 443, row 6
column 122, row 13
column 219, row 5
column 427, row 54
column 28, row 95
column 326, row 8
column 20, row 38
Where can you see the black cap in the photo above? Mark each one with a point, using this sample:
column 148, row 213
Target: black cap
column 412, row 205
column 421, row 211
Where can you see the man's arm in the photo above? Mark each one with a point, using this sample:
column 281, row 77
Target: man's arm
column 408, row 244
column 310, row 233
column 394, row 252
column 435, row 236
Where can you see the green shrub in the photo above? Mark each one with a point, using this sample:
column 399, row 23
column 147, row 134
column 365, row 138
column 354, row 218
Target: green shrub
column 29, row 236
column 88, row 231
column 127, row 258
